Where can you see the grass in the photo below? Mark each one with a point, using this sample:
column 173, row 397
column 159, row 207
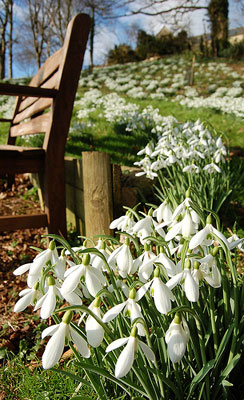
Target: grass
column 23, row 382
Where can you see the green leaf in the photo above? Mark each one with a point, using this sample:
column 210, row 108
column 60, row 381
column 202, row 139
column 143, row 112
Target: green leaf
column 223, row 344
column 167, row 382
column 124, row 384
column 229, row 368
column 200, row 376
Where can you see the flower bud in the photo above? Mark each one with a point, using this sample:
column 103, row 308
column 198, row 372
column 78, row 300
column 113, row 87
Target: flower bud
column 132, row 293
column 156, row 272
column 209, row 219
column 196, row 265
column 86, row 259
column 177, row 318
column 215, row 251
column 188, row 264
column 67, row 317
column 50, row 280
column 52, row 245
column 133, row 332
column 188, row 193
column 97, row 302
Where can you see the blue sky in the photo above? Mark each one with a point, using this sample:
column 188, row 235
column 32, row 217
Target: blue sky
column 115, row 31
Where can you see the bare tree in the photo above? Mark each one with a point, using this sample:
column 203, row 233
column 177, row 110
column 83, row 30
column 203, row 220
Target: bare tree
column 4, row 20
column 99, row 11
column 217, row 12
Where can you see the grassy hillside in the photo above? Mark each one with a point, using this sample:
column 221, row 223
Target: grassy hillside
column 122, row 124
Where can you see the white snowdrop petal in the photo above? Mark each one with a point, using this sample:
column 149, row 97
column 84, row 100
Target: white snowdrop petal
column 49, row 304
column 80, row 343
column 116, row 344
column 191, row 287
column 176, row 346
column 23, row 302
column 50, row 330
column 113, row 312
column 93, row 283
column 72, row 281
column 174, row 231
column 95, row 332
column 147, row 351
column 55, row 347
column 126, row 359
column 22, row 269
column 198, row 238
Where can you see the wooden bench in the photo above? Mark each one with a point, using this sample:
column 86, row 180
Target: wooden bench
column 45, row 106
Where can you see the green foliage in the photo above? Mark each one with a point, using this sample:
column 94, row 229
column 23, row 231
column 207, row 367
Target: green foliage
column 234, row 51
column 121, row 54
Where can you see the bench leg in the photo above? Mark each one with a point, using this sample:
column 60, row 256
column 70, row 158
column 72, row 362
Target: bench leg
column 54, row 198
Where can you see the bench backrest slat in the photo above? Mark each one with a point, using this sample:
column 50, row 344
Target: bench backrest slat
column 61, row 71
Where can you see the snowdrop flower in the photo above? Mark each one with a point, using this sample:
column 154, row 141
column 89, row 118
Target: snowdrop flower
column 122, row 259
column 163, row 212
column 212, row 168
column 96, row 261
column 204, row 237
column 167, row 263
column 124, row 223
column 94, row 331
column 191, row 169
column 145, row 263
column 144, row 227
column 162, row 295
column 126, row 358
column 176, row 338
column 42, row 258
column 130, row 308
column 28, row 297
column 206, row 269
column 60, row 265
column 189, row 285
column 48, row 301
column 234, row 241
column 94, row 278
column 186, row 227
column 181, row 209
column 55, row 346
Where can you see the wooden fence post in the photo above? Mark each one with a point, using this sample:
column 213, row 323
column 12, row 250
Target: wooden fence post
column 97, row 185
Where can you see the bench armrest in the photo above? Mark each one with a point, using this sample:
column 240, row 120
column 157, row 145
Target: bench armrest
column 21, row 90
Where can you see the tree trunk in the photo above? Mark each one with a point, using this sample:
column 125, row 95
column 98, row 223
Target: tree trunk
column 218, row 14
column 92, row 34
column 10, row 41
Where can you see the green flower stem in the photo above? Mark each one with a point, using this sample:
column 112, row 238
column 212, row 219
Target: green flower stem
column 145, row 387
column 212, row 317
column 203, row 355
column 226, row 297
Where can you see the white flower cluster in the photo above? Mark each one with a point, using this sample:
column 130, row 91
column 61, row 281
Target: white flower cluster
column 95, row 275
column 190, row 146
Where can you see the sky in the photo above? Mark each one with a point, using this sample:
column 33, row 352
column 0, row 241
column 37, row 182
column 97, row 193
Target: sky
column 114, row 32
column 196, row 24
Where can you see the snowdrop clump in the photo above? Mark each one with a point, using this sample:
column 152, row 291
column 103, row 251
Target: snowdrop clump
column 152, row 292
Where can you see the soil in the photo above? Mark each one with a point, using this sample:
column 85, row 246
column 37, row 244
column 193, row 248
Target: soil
column 20, row 198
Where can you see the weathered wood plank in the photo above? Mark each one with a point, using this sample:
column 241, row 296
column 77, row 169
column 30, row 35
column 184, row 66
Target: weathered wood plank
column 50, row 84
column 47, row 69
column 35, row 125
column 14, row 222
column 35, row 108
column 97, row 183
column 21, row 90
